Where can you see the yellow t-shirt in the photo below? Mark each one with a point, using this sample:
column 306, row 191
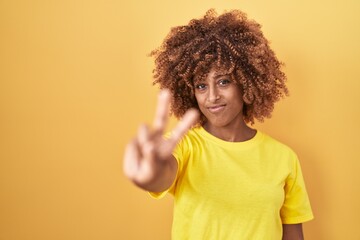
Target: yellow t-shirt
column 236, row 190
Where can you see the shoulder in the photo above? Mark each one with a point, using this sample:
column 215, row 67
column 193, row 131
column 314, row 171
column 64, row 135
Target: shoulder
column 192, row 137
column 270, row 141
column 278, row 149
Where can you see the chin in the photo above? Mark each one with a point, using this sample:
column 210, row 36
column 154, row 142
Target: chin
column 218, row 123
column 225, row 122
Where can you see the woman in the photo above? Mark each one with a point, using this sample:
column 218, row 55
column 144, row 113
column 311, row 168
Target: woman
column 229, row 180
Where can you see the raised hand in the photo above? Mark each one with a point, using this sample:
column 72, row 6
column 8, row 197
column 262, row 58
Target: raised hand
column 148, row 159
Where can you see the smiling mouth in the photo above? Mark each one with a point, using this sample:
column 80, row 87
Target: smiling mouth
column 216, row 109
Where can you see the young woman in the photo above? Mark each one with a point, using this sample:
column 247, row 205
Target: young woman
column 229, row 181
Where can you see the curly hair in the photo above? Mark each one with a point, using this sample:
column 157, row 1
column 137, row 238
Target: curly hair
column 230, row 42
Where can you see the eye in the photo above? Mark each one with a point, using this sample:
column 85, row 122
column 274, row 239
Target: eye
column 200, row 86
column 224, row 82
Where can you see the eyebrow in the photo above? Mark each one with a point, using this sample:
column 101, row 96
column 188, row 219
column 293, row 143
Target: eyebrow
column 221, row 75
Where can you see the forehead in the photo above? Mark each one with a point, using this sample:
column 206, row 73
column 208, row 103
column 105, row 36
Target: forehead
column 214, row 73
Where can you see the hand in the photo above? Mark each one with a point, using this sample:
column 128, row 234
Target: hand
column 148, row 159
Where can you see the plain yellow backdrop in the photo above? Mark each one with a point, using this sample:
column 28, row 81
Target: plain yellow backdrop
column 75, row 82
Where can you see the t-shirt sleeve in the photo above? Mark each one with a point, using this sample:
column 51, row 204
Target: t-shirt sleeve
column 296, row 207
column 178, row 153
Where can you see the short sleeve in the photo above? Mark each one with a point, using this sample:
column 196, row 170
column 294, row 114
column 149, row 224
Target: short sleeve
column 296, row 207
column 179, row 154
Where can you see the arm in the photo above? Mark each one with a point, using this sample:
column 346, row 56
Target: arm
column 292, row 232
column 148, row 160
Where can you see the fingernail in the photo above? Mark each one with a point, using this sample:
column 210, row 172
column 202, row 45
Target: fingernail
column 164, row 93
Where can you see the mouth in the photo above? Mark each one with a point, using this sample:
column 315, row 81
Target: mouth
column 216, row 108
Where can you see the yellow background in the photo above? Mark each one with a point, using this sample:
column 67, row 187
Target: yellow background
column 75, row 82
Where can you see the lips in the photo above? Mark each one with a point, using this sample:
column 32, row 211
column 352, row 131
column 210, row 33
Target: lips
column 216, row 108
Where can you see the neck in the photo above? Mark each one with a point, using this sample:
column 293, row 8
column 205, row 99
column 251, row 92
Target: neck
column 237, row 132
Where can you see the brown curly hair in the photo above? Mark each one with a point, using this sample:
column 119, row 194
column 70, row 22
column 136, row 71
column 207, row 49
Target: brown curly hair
column 230, row 42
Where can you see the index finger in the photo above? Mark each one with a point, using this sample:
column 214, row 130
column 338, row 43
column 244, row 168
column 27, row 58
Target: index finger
column 189, row 119
column 162, row 109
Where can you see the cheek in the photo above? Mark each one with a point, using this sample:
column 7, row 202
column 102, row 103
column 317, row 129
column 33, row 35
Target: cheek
column 200, row 102
column 199, row 99
column 237, row 96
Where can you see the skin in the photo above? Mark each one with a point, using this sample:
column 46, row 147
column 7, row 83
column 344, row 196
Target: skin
column 293, row 232
column 219, row 99
column 148, row 159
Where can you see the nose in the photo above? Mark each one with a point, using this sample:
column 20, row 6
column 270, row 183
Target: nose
column 213, row 94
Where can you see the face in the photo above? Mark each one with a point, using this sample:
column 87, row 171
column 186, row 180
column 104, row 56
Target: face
column 220, row 100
